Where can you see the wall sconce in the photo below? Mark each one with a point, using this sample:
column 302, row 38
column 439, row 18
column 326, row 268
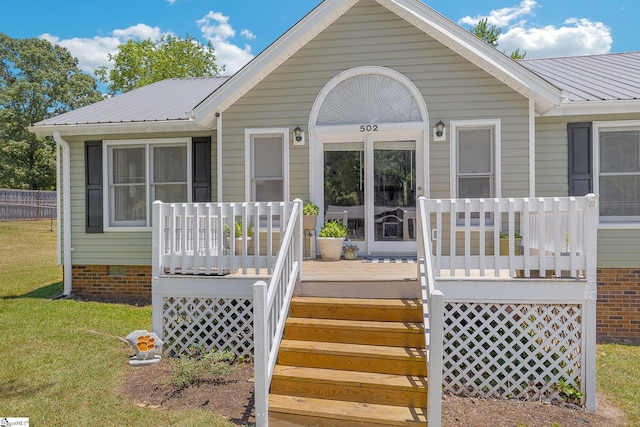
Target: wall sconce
column 439, row 131
column 298, row 136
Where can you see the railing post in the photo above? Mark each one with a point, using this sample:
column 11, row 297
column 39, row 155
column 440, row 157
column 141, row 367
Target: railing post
column 591, row 219
column 261, row 353
column 156, row 268
column 299, row 239
column 436, row 343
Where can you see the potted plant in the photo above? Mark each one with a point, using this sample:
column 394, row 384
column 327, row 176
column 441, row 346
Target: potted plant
column 330, row 240
column 350, row 251
column 504, row 243
column 237, row 234
column 310, row 213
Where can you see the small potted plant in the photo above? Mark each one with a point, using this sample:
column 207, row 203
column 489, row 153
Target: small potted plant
column 504, row 243
column 310, row 213
column 350, row 251
column 330, row 240
column 237, row 235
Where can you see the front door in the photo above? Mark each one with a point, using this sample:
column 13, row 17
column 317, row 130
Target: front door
column 373, row 184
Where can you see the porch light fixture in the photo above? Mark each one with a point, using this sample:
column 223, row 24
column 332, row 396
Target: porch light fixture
column 297, row 132
column 440, row 129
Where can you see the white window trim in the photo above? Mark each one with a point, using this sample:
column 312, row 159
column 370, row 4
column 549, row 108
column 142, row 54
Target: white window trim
column 106, row 192
column 497, row 135
column 618, row 126
column 248, row 153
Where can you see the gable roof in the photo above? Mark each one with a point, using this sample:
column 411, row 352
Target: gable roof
column 607, row 77
column 415, row 12
column 169, row 101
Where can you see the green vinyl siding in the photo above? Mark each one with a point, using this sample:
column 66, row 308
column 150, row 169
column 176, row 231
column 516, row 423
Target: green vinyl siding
column 617, row 248
column 121, row 247
column 370, row 35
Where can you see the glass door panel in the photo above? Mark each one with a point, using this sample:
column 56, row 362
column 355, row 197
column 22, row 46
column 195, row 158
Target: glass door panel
column 394, row 191
column 344, row 186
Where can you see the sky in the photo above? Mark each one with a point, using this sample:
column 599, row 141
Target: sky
column 239, row 30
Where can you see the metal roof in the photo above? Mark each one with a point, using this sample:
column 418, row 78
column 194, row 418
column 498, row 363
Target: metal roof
column 167, row 100
column 606, row 77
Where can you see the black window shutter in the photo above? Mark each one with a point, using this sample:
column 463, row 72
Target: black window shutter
column 201, row 169
column 93, row 174
column 580, row 159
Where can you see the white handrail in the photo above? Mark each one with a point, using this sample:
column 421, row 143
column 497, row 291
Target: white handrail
column 433, row 312
column 541, row 236
column 271, row 306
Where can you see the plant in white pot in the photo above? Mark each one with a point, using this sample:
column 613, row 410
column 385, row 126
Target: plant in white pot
column 310, row 213
column 237, row 235
column 330, row 240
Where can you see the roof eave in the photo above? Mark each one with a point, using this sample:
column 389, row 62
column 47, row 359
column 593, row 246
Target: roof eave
column 272, row 57
column 585, row 108
column 467, row 45
column 94, row 129
column 514, row 75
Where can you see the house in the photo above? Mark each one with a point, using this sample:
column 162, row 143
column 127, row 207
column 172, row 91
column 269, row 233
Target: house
column 365, row 84
column 363, row 107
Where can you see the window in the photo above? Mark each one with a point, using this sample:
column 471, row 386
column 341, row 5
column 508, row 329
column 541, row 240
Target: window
column 140, row 173
column 268, row 173
column 618, row 166
column 475, row 156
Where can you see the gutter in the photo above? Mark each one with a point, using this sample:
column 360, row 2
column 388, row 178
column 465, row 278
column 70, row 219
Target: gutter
column 66, row 214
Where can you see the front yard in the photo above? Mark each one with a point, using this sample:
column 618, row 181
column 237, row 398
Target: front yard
column 63, row 361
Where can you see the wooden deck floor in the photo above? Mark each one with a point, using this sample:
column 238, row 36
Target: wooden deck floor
column 358, row 270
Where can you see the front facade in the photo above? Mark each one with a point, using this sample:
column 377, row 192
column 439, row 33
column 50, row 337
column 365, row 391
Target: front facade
column 366, row 82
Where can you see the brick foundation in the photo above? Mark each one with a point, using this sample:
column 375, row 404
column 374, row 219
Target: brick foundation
column 618, row 304
column 125, row 282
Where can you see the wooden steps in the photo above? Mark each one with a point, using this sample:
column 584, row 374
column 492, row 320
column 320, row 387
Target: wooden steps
column 347, row 361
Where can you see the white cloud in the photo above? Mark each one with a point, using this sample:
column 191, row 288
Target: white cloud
column 92, row 53
column 215, row 28
column 576, row 36
column 503, row 17
column 248, row 34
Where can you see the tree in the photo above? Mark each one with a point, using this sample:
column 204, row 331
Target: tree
column 491, row 33
column 38, row 80
column 138, row 63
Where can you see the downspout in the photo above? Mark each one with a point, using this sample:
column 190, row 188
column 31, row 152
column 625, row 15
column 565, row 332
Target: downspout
column 532, row 148
column 66, row 214
column 219, row 155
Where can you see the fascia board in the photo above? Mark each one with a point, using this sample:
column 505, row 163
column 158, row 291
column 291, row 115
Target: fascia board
column 586, row 108
column 477, row 52
column 118, row 128
column 271, row 58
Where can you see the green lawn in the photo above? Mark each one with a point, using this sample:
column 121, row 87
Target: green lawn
column 61, row 360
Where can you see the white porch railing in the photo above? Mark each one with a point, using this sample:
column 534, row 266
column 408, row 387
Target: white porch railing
column 433, row 308
column 541, row 236
column 218, row 238
column 271, row 307
column 511, row 338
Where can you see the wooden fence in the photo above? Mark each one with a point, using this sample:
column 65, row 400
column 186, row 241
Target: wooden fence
column 21, row 205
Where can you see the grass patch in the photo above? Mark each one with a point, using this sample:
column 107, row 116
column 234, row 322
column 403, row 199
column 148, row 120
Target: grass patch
column 618, row 376
column 62, row 360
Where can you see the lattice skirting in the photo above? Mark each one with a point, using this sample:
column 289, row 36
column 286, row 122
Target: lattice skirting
column 518, row 351
column 212, row 323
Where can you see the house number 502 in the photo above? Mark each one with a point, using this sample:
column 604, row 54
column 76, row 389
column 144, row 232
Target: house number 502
column 368, row 128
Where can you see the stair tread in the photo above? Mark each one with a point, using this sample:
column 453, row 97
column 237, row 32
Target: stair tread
column 366, row 325
column 355, row 378
column 361, row 350
column 411, row 304
column 352, row 411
